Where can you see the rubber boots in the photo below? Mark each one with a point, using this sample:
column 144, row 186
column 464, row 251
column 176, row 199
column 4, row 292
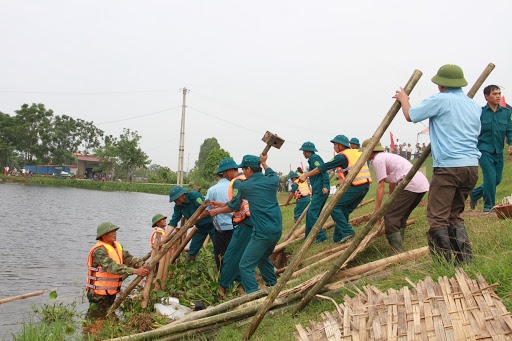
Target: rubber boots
column 190, row 259
column 460, row 243
column 439, row 244
column 395, row 240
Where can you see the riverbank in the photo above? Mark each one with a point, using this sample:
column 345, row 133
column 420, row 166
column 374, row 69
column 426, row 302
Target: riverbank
column 150, row 188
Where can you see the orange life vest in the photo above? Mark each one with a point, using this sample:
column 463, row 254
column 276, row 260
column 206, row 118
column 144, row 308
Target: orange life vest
column 153, row 234
column 363, row 177
column 303, row 190
column 98, row 279
column 243, row 212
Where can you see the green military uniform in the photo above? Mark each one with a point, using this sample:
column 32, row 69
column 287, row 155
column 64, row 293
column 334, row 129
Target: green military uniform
column 302, row 202
column 236, row 248
column 318, row 199
column 349, row 201
column 261, row 193
column 204, row 226
column 495, row 127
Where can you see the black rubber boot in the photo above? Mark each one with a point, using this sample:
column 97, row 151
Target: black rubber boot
column 439, row 244
column 460, row 243
column 395, row 240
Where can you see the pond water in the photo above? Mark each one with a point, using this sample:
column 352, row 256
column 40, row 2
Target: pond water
column 47, row 232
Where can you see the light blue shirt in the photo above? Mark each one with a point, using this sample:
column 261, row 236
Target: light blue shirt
column 219, row 192
column 454, row 127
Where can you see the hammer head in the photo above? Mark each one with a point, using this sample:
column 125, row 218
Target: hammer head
column 272, row 140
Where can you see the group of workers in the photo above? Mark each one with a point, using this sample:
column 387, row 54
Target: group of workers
column 244, row 220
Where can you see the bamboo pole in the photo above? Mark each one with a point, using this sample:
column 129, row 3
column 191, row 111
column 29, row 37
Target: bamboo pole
column 19, row 297
column 149, row 278
column 380, row 212
column 184, row 243
column 330, row 206
column 172, row 240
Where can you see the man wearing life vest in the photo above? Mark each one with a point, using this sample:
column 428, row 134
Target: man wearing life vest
column 159, row 223
column 302, row 194
column 107, row 263
column 354, row 143
column 241, row 222
column 343, row 162
column 320, row 189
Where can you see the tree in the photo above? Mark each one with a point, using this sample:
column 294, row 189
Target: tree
column 212, row 164
column 123, row 154
column 6, row 138
column 205, row 149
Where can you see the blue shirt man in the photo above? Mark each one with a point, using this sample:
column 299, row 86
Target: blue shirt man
column 454, row 129
column 223, row 222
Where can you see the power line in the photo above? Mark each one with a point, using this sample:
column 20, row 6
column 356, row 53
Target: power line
column 144, row 115
column 86, row 93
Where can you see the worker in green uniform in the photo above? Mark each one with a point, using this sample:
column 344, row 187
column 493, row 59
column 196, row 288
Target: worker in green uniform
column 241, row 222
column 302, row 193
column 343, row 162
column 185, row 204
column 496, row 125
column 320, row 186
column 260, row 190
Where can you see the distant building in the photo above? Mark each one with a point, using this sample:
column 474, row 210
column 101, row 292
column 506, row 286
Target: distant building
column 86, row 164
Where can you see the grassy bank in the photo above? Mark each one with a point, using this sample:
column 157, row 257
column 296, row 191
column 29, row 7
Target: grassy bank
column 492, row 247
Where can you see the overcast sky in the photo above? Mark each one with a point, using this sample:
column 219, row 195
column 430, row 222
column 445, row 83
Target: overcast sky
column 306, row 70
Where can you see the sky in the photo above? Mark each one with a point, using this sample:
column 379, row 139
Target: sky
column 305, row 70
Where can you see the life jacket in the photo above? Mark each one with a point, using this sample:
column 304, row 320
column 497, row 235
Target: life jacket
column 243, row 212
column 363, row 177
column 153, row 234
column 98, row 279
column 303, row 190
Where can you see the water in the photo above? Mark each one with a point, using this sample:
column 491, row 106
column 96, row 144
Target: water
column 47, row 232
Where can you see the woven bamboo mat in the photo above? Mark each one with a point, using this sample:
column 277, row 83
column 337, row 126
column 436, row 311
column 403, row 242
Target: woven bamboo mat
column 457, row 308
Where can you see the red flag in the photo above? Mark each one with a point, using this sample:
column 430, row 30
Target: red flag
column 392, row 142
column 503, row 103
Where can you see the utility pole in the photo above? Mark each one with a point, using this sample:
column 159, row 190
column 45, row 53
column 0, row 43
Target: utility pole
column 182, row 140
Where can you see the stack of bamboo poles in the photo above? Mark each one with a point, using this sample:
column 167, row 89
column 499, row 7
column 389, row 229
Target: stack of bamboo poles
column 456, row 308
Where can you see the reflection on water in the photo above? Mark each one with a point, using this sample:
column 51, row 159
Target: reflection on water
column 46, row 235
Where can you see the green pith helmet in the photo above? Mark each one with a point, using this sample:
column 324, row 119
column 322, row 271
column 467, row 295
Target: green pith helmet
column 308, row 147
column 451, row 76
column 355, row 140
column 157, row 218
column 341, row 139
column 176, row 192
column 293, row 175
column 226, row 164
column 250, row 161
column 378, row 147
column 105, row 228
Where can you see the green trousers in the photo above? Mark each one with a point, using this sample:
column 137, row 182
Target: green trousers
column 492, row 170
column 236, row 248
column 199, row 237
column 315, row 207
column 348, row 203
column 300, row 206
column 257, row 254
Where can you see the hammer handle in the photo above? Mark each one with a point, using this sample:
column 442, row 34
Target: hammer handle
column 267, row 148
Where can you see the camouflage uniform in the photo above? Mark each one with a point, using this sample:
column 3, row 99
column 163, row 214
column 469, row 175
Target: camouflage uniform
column 99, row 304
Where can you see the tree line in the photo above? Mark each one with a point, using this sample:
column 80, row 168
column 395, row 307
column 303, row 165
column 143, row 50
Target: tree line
column 35, row 135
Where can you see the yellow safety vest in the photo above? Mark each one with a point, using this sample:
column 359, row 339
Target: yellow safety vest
column 363, row 177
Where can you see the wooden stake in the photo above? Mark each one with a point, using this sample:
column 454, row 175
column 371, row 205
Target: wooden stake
column 380, row 212
column 149, row 277
column 19, row 297
column 329, row 207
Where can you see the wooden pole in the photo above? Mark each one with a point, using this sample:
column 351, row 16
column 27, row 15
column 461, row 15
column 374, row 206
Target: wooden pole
column 172, row 241
column 19, row 297
column 149, row 277
column 329, row 207
column 380, row 212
